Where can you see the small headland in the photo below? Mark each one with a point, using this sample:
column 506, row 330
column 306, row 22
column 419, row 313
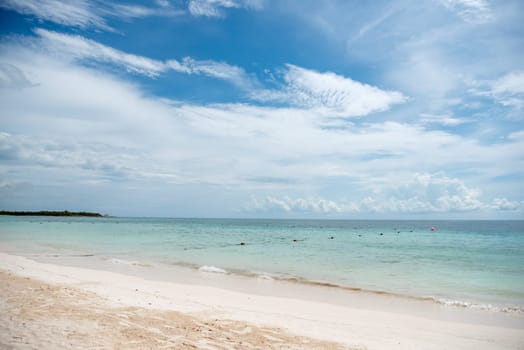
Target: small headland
column 52, row 213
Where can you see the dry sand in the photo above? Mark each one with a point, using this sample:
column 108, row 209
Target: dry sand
column 47, row 306
column 37, row 315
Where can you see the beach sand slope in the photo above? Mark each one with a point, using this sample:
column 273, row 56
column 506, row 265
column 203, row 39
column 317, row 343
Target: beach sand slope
column 38, row 315
column 48, row 306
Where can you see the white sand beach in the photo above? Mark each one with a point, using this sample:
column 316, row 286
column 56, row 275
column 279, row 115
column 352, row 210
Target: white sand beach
column 45, row 306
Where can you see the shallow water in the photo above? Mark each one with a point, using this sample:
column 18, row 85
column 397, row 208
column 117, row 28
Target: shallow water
column 466, row 263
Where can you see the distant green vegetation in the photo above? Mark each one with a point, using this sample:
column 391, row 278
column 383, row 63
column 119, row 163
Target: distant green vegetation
column 51, row 213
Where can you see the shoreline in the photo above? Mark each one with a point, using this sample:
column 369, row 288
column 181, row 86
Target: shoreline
column 313, row 312
column 219, row 276
column 474, row 267
column 227, row 275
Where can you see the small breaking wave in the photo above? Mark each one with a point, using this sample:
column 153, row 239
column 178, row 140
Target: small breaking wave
column 265, row 276
column 325, row 284
column 117, row 261
column 212, row 269
column 478, row 306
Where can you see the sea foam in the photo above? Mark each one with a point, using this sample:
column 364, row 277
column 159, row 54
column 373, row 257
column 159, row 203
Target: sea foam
column 212, row 269
column 478, row 306
column 117, row 261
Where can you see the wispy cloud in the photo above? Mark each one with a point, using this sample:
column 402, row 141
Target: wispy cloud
column 216, row 8
column 163, row 3
column 423, row 50
column 477, row 11
column 126, row 11
column 75, row 13
column 219, row 70
column 444, row 119
column 372, row 24
column 81, row 48
column 12, row 77
column 83, row 123
column 87, row 13
column 329, row 92
column 326, row 93
column 507, row 90
column 78, row 47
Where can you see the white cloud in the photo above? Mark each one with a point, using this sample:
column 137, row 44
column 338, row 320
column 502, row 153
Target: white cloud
column 476, row 11
column 210, row 8
column 86, row 126
column 215, row 8
column 424, row 193
column 86, row 13
column 444, row 119
column 163, row 3
column 219, row 70
column 330, row 93
column 440, row 193
column 509, row 89
column 78, row 47
column 505, row 204
column 12, row 77
column 325, row 93
column 424, row 72
column 511, row 83
column 516, row 135
column 423, row 50
column 286, row 204
column 76, row 13
column 135, row 11
column 49, row 153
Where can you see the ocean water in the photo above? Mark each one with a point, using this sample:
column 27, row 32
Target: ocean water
column 478, row 264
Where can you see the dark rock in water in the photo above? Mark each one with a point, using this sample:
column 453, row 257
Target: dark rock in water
column 295, row 240
column 331, row 237
column 381, row 234
column 242, row 243
column 360, row 235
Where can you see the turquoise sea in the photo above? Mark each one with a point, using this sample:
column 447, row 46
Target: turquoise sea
column 477, row 264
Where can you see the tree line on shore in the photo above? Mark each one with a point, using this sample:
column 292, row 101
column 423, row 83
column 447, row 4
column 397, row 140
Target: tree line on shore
column 50, row 213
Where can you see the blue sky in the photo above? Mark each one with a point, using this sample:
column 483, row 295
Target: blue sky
column 263, row 108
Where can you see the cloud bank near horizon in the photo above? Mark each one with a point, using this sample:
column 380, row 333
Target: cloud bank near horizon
column 177, row 132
